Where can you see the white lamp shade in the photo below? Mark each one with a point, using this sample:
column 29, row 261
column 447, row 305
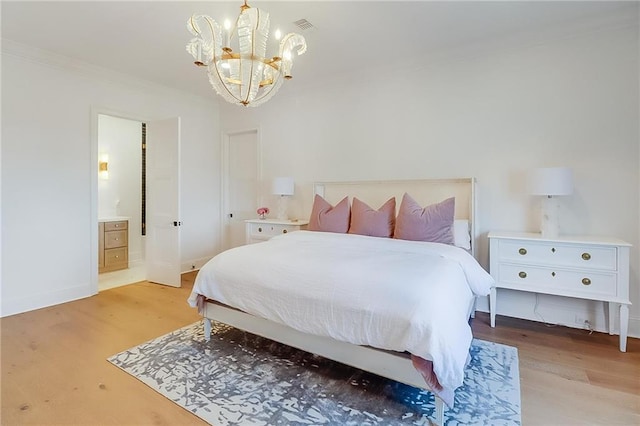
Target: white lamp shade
column 551, row 181
column 282, row 186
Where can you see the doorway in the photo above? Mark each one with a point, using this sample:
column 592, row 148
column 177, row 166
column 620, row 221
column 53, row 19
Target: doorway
column 121, row 193
column 241, row 178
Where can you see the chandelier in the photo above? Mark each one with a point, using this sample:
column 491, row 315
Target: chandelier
column 235, row 57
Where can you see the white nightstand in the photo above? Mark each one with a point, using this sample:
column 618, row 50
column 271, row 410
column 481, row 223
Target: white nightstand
column 262, row 229
column 592, row 268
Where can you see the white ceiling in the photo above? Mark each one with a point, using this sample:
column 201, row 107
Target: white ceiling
column 147, row 39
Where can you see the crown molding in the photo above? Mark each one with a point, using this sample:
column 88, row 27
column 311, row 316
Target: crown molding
column 53, row 60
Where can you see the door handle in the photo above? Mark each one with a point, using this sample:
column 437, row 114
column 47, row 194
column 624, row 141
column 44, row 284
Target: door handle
column 177, row 223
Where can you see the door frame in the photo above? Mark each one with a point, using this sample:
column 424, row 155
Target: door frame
column 93, row 182
column 224, row 175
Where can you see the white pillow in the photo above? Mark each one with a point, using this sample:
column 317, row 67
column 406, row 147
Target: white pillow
column 461, row 235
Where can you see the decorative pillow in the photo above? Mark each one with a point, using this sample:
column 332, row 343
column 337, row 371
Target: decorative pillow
column 433, row 223
column 375, row 223
column 326, row 218
column 461, row 235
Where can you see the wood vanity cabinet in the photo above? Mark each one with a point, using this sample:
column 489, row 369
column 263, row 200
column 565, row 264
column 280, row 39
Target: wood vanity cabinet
column 113, row 246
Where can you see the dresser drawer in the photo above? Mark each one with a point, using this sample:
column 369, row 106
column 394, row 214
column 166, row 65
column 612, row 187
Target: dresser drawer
column 116, row 257
column 584, row 257
column 115, row 226
column 256, row 230
column 114, row 239
column 550, row 281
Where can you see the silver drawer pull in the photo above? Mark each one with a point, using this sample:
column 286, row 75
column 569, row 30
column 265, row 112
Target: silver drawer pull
column 586, row 281
column 522, row 274
column 522, row 251
column 586, row 256
column 259, row 229
column 284, row 231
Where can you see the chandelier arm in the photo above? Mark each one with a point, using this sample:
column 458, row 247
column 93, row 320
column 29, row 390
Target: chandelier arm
column 256, row 24
column 222, row 78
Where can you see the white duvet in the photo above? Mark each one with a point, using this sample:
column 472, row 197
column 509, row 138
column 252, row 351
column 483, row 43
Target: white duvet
column 386, row 293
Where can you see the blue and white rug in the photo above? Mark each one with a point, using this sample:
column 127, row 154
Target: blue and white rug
column 241, row 379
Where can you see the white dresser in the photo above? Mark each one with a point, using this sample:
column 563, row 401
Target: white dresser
column 262, row 229
column 594, row 268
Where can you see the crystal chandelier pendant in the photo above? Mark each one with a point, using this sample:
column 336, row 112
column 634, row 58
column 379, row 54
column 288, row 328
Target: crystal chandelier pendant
column 238, row 67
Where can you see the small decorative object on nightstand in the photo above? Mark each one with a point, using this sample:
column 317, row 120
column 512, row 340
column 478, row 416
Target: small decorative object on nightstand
column 592, row 268
column 262, row 212
column 258, row 230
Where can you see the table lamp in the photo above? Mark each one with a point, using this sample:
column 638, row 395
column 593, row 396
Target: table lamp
column 551, row 182
column 284, row 187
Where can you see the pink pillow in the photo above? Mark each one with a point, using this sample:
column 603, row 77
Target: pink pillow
column 375, row 223
column 327, row 218
column 433, row 223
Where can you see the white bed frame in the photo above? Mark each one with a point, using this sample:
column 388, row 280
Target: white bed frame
column 393, row 365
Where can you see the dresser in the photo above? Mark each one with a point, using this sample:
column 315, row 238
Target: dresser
column 113, row 245
column 258, row 230
column 593, row 268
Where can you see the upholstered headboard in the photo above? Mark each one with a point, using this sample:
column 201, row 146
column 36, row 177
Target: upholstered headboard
column 424, row 191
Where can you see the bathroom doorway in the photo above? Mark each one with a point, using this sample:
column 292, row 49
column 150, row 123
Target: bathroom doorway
column 121, row 201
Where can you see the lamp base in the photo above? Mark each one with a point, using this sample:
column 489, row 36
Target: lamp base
column 283, row 202
column 549, row 225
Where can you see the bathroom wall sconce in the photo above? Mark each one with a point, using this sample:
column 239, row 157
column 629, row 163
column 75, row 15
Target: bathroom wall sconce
column 103, row 167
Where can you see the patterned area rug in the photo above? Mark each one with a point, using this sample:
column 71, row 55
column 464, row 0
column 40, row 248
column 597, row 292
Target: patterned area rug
column 241, row 379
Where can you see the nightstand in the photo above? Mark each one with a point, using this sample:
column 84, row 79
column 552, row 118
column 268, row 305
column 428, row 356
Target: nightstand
column 258, row 230
column 593, row 268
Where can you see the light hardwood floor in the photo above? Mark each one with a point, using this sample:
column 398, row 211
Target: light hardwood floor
column 54, row 368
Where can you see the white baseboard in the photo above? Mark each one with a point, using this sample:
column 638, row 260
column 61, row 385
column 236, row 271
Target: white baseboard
column 194, row 264
column 556, row 310
column 12, row 306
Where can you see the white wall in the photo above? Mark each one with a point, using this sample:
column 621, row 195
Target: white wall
column 47, row 222
column 121, row 193
column 573, row 102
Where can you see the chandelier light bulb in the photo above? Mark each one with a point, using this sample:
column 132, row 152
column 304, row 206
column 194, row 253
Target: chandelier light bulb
column 239, row 68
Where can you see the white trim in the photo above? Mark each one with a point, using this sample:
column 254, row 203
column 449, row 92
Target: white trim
column 194, row 264
column 12, row 306
column 224, row 175
column 555, row 311
column 93, row 182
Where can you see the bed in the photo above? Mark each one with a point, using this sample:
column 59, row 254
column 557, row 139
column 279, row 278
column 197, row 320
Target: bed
column 337, row 295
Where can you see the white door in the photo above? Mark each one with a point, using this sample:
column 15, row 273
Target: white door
column 241, row 180
column 163, row 202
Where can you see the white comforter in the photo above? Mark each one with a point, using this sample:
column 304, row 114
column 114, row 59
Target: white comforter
column 386, row 293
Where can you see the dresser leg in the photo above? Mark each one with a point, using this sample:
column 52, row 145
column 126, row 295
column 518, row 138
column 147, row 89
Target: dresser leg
column 624, row 326
column 492, row 306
